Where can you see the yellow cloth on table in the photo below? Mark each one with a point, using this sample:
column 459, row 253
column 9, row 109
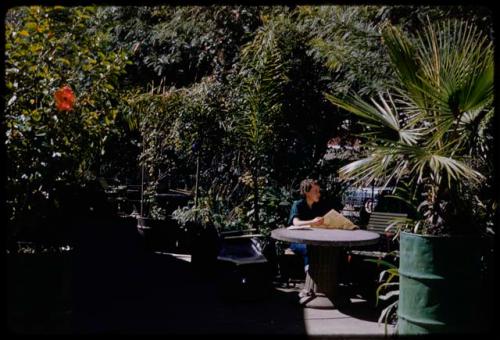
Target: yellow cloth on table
column 334, row 220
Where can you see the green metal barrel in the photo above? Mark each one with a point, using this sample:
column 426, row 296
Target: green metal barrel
column 439, row 284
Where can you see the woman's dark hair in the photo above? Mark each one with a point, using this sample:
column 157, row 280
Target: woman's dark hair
column 306, row 185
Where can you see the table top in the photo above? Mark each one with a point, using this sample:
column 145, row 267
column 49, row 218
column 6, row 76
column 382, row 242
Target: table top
column 327, row 237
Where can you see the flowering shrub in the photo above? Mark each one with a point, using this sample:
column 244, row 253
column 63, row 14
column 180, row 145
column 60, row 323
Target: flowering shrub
column 46, row 49
column 65, row 98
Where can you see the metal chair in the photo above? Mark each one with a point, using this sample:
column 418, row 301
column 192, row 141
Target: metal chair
column 244, row 272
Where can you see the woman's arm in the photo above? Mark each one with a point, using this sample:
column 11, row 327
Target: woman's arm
column 314, row 222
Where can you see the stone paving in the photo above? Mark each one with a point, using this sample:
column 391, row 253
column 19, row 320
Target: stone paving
column 356, row 319
column 99, row 289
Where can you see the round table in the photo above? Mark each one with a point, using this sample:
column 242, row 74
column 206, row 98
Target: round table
column 323, row 250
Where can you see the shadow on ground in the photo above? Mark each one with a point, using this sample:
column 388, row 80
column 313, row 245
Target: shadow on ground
column 361, row 309
column 109, row 283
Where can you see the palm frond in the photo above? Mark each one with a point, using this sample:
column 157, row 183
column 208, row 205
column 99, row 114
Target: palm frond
column 453, row 168
column 384, row 315
column 381, row 262
column 478, row 93
column 361, row 108
column 402, row 55
column 382, row 116
column 263, row 76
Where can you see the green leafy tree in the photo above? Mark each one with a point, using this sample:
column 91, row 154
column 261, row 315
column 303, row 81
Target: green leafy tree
column 179, row 45
column 268, row 101
column 347, row 40
column 47, row 48
column 177, row 126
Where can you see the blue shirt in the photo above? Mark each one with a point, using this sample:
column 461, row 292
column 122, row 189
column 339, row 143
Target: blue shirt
column 301, row 210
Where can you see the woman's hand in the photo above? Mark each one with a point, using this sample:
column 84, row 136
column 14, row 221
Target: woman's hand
column 317, row 221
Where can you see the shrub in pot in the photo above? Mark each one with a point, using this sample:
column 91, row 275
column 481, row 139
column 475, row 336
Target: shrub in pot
column 157, row 231
column 431, row 132
column 204, row 240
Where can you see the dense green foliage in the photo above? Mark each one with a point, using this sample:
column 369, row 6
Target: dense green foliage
column 48, row 150
column 181, row 44
column 261, row 125
column 238, row 88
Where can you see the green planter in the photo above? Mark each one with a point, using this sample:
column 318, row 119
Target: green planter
column 440, row 280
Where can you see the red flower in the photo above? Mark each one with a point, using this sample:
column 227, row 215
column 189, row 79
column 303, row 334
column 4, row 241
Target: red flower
column 65, row 98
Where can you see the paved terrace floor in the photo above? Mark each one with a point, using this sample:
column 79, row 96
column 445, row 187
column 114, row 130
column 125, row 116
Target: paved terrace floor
column 281, row 314
column 160, row 294
column 109, row 284
column 116, row 290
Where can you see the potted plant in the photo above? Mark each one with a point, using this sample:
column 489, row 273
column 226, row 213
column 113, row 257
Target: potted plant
column 153, row 224
column 202, row 228
column 430, row 132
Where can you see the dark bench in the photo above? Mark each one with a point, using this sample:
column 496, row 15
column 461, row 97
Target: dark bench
column 380, row 222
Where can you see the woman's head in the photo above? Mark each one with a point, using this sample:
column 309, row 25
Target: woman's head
column 310, row 189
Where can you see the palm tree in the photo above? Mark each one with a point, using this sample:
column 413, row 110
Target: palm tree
column 426, row 130
column 263, row 78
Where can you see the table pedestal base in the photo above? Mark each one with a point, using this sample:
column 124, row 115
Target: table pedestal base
column 321, row 289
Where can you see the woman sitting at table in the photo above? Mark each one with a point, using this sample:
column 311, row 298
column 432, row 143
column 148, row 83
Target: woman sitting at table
column 307, row 211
